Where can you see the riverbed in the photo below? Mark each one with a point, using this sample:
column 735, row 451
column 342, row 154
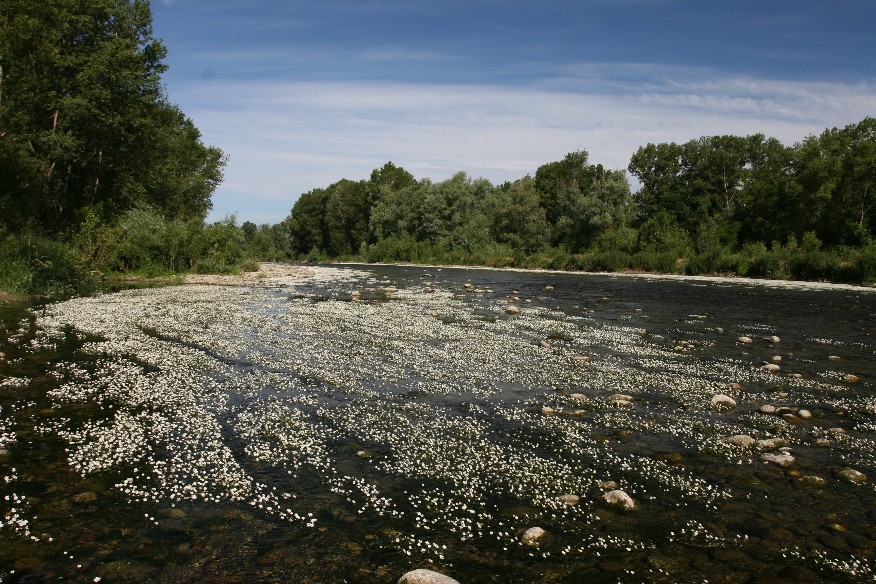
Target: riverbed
column 351, row 423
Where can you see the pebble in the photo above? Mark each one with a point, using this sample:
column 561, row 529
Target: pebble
column 745, row 340
column 618, row 498
column 533, row 536
column 722, row 401
column 423, row 576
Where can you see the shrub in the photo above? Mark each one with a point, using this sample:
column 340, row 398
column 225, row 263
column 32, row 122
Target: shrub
column 34, row 264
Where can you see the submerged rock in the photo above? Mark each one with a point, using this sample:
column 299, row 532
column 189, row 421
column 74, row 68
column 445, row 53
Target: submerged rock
column 813, row 481
column 722, row 401
column 780, row 459
column 548, row 411
column 533, row 536
column 853, row 476
column 423, row 576
column 582, row 359
column 742, row 440
column 620, row 499
column 851, row 378
column 570, row 500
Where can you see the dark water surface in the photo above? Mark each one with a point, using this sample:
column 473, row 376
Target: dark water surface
column 418, row 424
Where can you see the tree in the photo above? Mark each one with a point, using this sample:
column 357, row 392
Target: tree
column 84, row 123
column 517, row 218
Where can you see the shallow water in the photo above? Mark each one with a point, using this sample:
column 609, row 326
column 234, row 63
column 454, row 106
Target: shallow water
column 299, row 432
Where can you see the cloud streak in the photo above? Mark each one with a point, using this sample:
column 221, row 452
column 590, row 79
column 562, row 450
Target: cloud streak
column 288, row 138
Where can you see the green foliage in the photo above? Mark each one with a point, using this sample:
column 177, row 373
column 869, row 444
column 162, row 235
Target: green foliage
column 85, row 127
column 34, row 264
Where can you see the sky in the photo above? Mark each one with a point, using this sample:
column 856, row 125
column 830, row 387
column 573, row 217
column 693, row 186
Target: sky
column 302, row 93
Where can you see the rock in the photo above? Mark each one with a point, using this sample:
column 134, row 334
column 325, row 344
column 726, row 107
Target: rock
column 770, row 443
column 775, row 340
column 804, row 414
column 533, row 536
column 423, row 576
column 467, row 285
column 544, row 344
column 86, row 497
column 722, row 401
column 853, row 476
column 577, row 397
column 780, row 459
column 4, row 453
column 822, row 443
column 548, row 411
column 851, row 378
column 512, row 310
column 548, row 288
column 834, row 358
column 607, row 485
column 771, row 368
column 570, row 500
column 390, row 290
column 581, row 359
column 618, row 498
column 735, row 386
column 767, row 409
column 776, row 358
column 620, row 397
column 745, row 340
column 813, row 481
column 741, row 440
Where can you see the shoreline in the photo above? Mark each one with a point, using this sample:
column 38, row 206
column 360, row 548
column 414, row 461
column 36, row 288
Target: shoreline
column 791, row 284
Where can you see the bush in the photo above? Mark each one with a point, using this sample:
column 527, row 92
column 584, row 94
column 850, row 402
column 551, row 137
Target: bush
column 34, row 264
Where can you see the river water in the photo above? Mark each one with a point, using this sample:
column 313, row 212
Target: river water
column 364, row 421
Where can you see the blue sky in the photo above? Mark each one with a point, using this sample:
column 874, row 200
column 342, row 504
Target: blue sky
column 303, row 93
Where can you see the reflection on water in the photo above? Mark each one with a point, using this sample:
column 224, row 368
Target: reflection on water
column 374, row 420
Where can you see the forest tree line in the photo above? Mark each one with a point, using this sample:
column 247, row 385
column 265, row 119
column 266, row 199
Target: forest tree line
column 749, row 206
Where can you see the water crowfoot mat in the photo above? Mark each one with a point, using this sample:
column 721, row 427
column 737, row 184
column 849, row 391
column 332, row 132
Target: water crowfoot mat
column 353, row 424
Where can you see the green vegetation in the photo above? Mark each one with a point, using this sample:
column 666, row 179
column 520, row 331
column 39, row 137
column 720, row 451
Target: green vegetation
column 102, row 174
column 746, row 206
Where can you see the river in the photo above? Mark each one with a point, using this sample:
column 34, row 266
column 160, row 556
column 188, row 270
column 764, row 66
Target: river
column 351, row 423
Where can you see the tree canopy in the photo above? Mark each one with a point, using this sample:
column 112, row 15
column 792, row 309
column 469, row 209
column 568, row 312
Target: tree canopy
column 85, row 126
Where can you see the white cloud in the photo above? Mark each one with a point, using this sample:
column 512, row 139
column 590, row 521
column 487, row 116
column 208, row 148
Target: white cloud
column 287, row 138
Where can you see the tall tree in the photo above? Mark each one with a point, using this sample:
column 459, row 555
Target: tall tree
column 84, row 123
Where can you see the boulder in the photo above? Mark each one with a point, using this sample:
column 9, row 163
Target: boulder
column 423, row 576
column 722, row 401
column 533, row 536
column 620, row 499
